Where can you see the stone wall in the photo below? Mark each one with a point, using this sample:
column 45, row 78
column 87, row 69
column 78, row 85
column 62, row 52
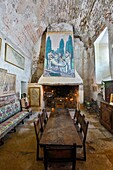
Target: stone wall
column 24, row 23
column 21, row 75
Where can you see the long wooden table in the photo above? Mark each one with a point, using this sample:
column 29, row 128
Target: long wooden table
column 60, row 129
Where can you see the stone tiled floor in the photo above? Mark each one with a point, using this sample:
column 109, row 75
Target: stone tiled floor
column 19, row 149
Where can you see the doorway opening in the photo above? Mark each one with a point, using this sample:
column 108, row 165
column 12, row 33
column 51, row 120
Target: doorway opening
column 102, row 68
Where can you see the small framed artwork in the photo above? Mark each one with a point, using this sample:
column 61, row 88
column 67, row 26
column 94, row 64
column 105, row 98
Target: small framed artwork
column 0, row 46
column 9, row 84
column 13, row 57
column 34, row 93
column 111, row 98
column 3, row 73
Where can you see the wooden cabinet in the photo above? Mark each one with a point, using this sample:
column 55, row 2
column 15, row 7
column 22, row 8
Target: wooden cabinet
column 106, row 116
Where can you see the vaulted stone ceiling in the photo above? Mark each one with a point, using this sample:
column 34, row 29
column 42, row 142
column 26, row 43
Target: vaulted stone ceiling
column 24, row 21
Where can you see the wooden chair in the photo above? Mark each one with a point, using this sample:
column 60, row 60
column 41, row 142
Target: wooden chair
column 45, row 116
column 38, row 133
column 74, row 117
column 41, row 121
column 60, row 154
column 78, row 119
column 83, row 135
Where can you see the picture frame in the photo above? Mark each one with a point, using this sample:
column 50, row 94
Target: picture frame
column 13, row 57
column 34, row 93
column 9, row 86
column 59, row 54
column 3, row 73
column 0, row 46
column 111, row 98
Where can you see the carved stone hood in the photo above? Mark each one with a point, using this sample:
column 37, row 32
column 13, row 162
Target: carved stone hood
column 77, row 80
column 60, row 80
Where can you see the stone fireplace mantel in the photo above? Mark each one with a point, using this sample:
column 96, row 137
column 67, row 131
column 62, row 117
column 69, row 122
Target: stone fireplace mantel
column 53, row 80
column 57, row 81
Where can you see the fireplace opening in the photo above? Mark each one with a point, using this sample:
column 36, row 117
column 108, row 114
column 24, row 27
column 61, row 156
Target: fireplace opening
column 60, row 96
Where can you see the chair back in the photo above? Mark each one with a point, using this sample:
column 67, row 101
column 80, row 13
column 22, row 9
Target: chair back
column 80, row 120
column 45, row 116
column 74, row 117
column 38, row 137
column 41, row 120
column 37, row 129
column 84, row 129
column 60, row 153
column 77, row 116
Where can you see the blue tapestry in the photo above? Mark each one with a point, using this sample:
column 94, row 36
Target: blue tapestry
column 59, row 57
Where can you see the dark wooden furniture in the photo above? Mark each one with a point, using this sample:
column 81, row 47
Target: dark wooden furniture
column 106, row 115
column 38, row 133
column 60, row 130
column 59, row 154
column 83, row 136
column 43, row 118
column 82, row 127
column 78, row 119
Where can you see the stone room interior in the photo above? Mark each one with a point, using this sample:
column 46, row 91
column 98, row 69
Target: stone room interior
column 56, row 72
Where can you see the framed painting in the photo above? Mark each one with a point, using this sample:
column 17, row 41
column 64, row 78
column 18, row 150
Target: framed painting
column 3, row 73
column 34, row 93
column 9, row 84
column 59, row 57
column 0, row 46
column 111, row 98
column 13, row 57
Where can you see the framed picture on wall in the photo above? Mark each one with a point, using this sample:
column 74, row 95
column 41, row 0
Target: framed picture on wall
column 59, row 56
column 3, row 73
column 9, row 86
column 13, row 57
column 0, row 46
column 111, row 98
column 34, row 93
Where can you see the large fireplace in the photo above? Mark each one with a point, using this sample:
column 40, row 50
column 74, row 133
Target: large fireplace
column 60, row 96
column 61, row 90
column 60, row 80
